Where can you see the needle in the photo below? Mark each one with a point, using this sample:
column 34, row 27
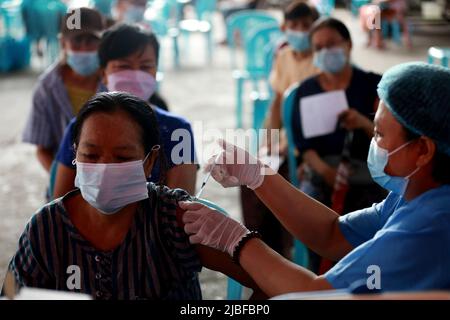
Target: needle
column 199, row 193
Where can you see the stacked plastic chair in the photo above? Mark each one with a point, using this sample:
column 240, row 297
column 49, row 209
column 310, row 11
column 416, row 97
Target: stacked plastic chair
column 242, row 22
column 259, row 54
column 14, row 44
column 162, row 15
column 103, row 6
column 204, row 10
column 439, row 54
column 254, row 29
column 325, row 7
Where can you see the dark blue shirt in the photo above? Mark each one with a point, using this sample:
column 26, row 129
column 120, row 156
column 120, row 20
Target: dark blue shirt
column 168, row 123
column 361, row 95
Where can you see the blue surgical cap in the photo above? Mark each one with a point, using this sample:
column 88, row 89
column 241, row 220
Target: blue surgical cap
column 418, row 95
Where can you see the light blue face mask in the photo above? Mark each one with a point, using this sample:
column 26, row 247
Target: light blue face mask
column 134, row 14
column 331, row 60
column 298, row 40
column 83, row 63
column 377, row 161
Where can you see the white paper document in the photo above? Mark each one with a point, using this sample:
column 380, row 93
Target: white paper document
column 319, row 113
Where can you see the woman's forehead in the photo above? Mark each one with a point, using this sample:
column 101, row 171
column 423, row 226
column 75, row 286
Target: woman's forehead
column 325, row 34
column 113, row 129
column 145, row 53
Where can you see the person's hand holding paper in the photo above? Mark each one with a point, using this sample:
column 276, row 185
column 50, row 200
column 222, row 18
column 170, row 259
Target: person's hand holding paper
column 351, row 119
column 320, row 113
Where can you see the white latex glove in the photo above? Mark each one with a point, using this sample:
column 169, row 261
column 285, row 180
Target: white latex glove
column 236, row 167
column 211, row 228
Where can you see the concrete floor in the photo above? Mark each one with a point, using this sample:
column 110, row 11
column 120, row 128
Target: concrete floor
column 202, row 93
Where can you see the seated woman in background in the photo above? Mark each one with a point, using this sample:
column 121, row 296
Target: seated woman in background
column 129, row 57
column 118, row 230
column 322, row 155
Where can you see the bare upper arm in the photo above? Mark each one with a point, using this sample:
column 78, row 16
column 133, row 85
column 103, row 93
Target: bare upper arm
column 45, row 157
column 183, row 176
column 338, row 245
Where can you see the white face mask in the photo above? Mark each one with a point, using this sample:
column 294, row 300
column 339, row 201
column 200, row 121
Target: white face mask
column 109, row 187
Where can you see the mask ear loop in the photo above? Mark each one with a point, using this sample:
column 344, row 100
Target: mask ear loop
column 398, row 149
column 154, row 149
column 401, row 147
column 74, row 161
column 413, row 173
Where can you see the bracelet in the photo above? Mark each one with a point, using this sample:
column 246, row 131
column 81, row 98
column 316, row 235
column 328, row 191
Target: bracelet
column 237, row 250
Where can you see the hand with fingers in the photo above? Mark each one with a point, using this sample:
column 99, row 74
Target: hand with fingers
column 236, row 167
column 351, row 119
column 211, row 228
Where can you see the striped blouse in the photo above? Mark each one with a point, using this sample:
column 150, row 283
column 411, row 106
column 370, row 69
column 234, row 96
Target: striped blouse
column 155, row 261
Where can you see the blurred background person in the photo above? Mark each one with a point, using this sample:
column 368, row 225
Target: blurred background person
column 65, row 86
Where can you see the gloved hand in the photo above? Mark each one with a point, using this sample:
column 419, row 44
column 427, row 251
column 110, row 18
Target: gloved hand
column 236, row 167
column 211, row 228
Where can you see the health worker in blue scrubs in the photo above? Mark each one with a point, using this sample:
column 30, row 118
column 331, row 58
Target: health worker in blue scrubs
column 399, row 244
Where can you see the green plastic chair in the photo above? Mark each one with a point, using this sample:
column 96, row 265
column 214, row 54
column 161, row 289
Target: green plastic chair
column 439, row 54
column 242, row 22
column 14, row 43
column 245, row 24
column 43, row 19
column 103, row 6
column 258, row 42
column 357, row 4
column 325, row 7
column 234, row 289
column 204, row 10
column 162, row 19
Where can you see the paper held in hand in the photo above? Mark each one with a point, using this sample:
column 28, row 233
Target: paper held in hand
column 319, row 113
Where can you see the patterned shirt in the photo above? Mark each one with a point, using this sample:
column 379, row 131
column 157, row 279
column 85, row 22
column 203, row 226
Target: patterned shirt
column 155, row 261
column 51, row 110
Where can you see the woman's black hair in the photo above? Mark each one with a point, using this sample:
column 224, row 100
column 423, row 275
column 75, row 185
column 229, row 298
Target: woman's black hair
column 441, row 168
column 122, row 40
column 331, row 23
column 138, row 110
column 299, row 9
